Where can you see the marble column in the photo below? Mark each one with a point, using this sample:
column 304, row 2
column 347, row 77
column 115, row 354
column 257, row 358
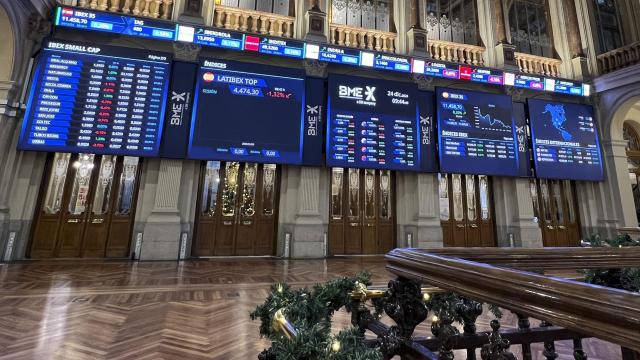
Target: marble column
column 619, row 202
column 429, row 231
column 161, row 237
column 309, row 227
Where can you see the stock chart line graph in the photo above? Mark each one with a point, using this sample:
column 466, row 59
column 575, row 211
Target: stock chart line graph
column 486, row 122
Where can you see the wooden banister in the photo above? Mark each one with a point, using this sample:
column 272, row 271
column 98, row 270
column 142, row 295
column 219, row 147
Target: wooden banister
column 594, row 311
column 566, row 258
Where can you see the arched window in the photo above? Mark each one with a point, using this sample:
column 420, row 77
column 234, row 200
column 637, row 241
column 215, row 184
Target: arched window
column 370, row 14
column 281, row 7
column 454, row 21
column 608, row 24
column 529, row 27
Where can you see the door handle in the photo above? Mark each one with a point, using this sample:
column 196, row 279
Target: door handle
column 247, row 222
column 353, row 224
column 474, row 225
column 227, row 222
column 550, row 227
column 97, row 221
column 562, row 227
column 73, row 221
column 371, row 225
column 460, row 225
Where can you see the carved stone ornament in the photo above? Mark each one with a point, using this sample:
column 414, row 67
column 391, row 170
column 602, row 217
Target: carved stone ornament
column 315, row 68
column 186, row 52
column 424, row 82
column 516, row 93
column 39, row 27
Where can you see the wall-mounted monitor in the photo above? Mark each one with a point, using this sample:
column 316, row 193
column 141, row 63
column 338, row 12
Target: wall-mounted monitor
column 96, row 98
column 476, row 133
column 375, row 124
column 248, row 112
column 565, row 141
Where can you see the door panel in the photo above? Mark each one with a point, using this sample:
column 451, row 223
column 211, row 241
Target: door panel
column 123, row 214
column 555, row 208
column 466, row 210
column 76, row 213
column 237, row 209
column 362, row 218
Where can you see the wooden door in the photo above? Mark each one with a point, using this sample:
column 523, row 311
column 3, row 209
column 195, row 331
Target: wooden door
column 237, row 209
column 87, row 207
column 362, row 212
column 555, row 209
column 466, row 210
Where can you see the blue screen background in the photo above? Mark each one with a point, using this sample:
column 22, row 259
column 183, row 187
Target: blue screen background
column 565, row 141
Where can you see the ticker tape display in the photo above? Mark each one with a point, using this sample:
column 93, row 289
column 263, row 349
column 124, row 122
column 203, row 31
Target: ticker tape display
column 85, row 19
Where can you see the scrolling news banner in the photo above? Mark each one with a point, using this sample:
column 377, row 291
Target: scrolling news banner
column 248, row 112
column 477, row 134
column 376, row 124
column 98, row 99
column 565, row 141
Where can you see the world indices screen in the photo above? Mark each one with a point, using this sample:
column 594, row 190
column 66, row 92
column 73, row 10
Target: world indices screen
column 98, row 99
column 565, row 141
column 477, row 133
column 248, row 112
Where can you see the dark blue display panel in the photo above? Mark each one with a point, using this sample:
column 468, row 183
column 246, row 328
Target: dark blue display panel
column 315, row 114
column 116, row 23
column 98, row 99
column 565, row 141
column 372, row 124
column 522, row 138
column 248, row 112
column 476, row 133
column 427, row 130
column 179, row 107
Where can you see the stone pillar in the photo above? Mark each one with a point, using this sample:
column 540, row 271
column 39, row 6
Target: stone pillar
column 416, row 35
column 578, row 59
column 192, row 12
column 505, row 57
column 161, row 237
column 428, row 219
column 527, row 231
column 618, row 203
column 309, row 227
column 514, row 215
column 316, row 25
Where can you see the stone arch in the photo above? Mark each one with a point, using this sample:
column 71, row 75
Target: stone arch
column 7, row 47
column 627, row 109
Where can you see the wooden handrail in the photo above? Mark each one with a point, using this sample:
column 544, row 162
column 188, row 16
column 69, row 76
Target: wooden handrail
column 565, row 258
column 594, row 311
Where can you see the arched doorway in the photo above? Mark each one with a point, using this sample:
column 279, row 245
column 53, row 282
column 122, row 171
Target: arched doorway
column 630, row 135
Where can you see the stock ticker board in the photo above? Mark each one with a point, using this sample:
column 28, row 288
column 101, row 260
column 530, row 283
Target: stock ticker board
column 98, row 99
column 248, row 112
column 477, row 133
column 565, row 141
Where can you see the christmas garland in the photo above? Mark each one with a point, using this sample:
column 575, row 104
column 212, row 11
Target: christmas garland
column 626, row 278
column 306, row 332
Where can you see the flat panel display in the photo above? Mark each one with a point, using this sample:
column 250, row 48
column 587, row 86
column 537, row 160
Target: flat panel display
column 476, row 133
column 248, row 112
column 98, row 99
column 115, row 23
column 565, row 141
column 179, row 107
column 372, row 124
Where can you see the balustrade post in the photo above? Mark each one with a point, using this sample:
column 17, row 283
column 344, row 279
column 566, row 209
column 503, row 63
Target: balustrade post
column 497, row 348
column 115, row 6
column 147, row 6
column 469, row 310
column 578, row 352
column 136, row 7
column 82, row 3
column 442, row 329
column 524, row 325
column 279, row 31
column 166, row 8
column 549, row 346
column 156, row 9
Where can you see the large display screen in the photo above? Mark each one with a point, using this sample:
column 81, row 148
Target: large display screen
column 476, row 133
column 95, row 98
column 248, row 112
column 372, row 124
column 565, row 141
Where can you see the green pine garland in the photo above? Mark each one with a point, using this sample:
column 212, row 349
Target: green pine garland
column 310, row 312
column 626, row 279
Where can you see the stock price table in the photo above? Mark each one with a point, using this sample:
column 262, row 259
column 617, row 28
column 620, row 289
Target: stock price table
column 103, row 100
